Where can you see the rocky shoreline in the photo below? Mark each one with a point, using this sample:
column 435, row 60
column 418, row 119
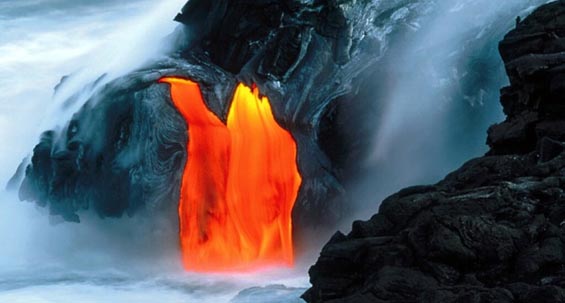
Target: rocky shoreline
column 492, row 231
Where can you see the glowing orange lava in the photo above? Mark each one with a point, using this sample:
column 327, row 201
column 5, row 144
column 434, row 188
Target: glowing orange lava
column 239, row 184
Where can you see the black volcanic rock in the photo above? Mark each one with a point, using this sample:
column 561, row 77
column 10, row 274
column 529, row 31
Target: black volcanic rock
column 326, row 67
column 492, row 231
column 235, row 32
column 534, row 55
column 124, row 151
column 496, row 222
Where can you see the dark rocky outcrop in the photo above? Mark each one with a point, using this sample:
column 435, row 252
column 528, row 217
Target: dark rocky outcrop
column 326, row 66
column 124, row 151
column 534, row 54
column 492, row 231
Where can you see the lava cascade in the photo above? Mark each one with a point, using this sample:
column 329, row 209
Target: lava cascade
column 239, row 184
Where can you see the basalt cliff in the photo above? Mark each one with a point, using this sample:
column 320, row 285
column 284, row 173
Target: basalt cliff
column 491, row 231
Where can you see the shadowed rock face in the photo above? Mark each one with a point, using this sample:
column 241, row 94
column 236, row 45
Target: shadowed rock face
column 99, row 146
column 117, row 154
column 124, row 151
column 534, row 54
column 492, row 231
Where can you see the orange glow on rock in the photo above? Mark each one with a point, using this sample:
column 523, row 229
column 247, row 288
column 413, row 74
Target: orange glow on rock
column 239, row 184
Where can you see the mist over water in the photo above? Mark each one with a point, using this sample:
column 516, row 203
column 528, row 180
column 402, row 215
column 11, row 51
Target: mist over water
column 42, row 41
column 441, row 92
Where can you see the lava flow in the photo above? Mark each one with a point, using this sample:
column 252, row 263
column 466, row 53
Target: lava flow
column 239, row 184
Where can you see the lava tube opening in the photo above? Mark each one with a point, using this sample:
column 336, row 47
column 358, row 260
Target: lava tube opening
column 239, row 184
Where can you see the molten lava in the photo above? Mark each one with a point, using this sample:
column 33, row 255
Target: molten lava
column 239, row 184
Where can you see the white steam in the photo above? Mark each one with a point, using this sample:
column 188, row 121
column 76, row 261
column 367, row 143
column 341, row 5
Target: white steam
column 432, row 123
column 138, row 40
